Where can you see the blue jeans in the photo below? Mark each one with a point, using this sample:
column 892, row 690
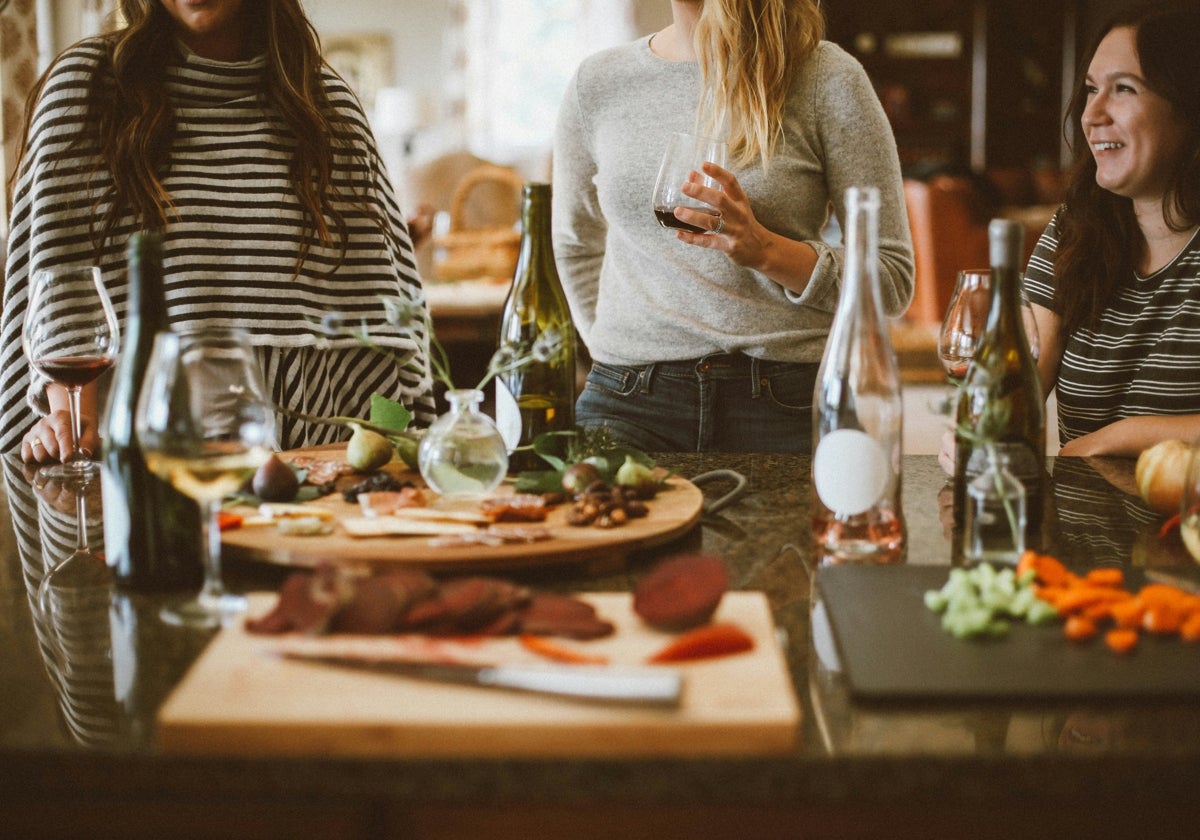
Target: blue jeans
column 726, row 402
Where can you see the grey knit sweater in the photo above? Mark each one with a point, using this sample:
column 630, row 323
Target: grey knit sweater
column 637, row 294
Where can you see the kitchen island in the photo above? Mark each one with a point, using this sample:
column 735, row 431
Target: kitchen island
column 83, row 677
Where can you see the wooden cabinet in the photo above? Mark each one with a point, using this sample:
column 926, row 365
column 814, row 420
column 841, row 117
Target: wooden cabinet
column 971, row 83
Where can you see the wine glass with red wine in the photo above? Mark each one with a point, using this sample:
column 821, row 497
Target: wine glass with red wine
column 685, row 154
column 70, row 337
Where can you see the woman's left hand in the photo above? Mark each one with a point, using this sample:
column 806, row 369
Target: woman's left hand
column 734, row 230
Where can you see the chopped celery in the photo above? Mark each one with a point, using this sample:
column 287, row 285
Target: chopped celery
column 981, row 602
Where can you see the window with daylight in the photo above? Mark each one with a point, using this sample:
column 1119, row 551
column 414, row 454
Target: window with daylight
column 520, row 56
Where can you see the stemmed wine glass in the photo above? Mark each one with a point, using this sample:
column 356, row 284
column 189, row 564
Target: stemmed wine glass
column 82, row 568
column 685, row 154
column 966, row 316
column 70, row 337
column 205, row 425
column 964, row 323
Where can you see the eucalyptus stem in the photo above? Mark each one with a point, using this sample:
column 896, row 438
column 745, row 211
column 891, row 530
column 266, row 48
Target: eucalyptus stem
column 347, row 423
column 1013, row 525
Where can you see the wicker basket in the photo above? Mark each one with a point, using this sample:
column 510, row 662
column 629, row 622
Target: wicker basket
column 489, row 251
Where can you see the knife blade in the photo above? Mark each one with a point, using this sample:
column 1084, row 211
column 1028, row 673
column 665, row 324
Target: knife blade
column 634, row 686
column 1182, row 581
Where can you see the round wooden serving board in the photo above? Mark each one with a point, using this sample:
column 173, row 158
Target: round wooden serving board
column 673, row 512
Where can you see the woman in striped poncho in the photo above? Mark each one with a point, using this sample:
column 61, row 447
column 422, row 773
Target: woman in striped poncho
column 219, row 125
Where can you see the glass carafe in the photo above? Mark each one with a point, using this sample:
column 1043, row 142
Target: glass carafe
column 463, row 454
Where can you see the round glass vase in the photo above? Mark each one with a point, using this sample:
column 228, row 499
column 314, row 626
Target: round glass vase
column 463, row 454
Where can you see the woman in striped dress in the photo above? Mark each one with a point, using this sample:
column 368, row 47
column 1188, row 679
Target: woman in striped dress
column 219, row 125
column 1115, row 280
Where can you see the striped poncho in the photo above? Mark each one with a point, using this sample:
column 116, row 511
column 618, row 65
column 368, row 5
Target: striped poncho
column 230, row 248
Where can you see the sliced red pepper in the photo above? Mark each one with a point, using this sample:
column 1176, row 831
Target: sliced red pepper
column 227, row 521
column 720, row 639
column 1170, row 525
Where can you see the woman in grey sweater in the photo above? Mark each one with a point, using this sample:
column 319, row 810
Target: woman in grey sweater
column 712, row 341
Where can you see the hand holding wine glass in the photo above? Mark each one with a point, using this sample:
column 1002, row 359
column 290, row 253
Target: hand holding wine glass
column 205, row 425
column 70, row 337
column 685, row 155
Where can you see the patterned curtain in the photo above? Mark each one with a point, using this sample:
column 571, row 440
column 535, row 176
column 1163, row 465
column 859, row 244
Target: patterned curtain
column 18, row 72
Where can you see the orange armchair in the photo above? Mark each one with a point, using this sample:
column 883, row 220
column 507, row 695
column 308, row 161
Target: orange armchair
column 949, row 231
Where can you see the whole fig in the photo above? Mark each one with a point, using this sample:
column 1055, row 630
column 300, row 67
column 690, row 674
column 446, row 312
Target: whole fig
column 275, row 481
column 368, row 450
column 579, row 477
column 638, row 477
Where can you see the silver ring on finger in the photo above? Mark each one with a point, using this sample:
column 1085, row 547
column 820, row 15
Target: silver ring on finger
column 36, row 443
column 720, row 225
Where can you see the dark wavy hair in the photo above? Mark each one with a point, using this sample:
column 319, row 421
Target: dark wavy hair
column 131, row 117
column 1099, row 242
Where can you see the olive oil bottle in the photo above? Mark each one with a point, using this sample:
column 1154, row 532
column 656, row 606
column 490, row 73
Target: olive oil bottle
column 537, row 395
column 1000, row 405
column 151, row 530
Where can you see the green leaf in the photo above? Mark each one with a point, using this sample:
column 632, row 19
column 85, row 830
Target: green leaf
column 554, row 448
column 545, row 481
column 389, row 414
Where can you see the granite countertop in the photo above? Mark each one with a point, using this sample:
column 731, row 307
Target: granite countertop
column 60, row 737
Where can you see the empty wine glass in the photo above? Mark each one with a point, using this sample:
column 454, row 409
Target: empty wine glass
column 685, row 154
column 966, row 316
column 205, row 425
column 70, row 337
column 1031, row 328
column 964, row 324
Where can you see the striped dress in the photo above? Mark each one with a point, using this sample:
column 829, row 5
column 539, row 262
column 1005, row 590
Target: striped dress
column 1143, row 358
column 230, row 251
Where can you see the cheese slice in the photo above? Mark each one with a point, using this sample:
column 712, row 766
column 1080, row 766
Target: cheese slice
column 427, row 514
column 395, row 526
column 280, row 510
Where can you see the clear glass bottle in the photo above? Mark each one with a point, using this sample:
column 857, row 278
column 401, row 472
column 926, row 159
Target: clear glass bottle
column 857, row 410
column 537, row 396
column 462, row 454
column 995, row 516
column 1000, row 405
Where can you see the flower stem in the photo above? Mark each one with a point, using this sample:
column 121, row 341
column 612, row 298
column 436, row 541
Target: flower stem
column 347, row 422
column 1000, row 491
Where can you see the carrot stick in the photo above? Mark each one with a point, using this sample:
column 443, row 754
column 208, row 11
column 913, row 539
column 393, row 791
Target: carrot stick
column 1121, row 640
column 1078, row 628
column 559, row 652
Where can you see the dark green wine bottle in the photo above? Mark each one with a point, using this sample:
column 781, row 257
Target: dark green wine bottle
column 1000, row 402
column 151, row 530
column 538, row 395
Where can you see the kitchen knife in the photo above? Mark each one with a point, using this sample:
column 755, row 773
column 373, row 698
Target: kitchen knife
column 1182, row 581
column 644, row 686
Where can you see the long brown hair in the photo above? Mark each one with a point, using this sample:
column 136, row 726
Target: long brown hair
column 1099, row 242
column 749, row 52
column 134, row 124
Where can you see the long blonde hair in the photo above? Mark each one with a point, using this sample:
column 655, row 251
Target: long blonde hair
column 749, row 52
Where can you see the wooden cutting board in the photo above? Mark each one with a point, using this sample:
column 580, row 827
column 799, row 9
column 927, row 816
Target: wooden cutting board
column 672, row 513
column 891, row 647
column 239, row 699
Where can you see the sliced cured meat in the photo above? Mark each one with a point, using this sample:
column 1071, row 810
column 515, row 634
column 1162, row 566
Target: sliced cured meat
column 551, row 614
